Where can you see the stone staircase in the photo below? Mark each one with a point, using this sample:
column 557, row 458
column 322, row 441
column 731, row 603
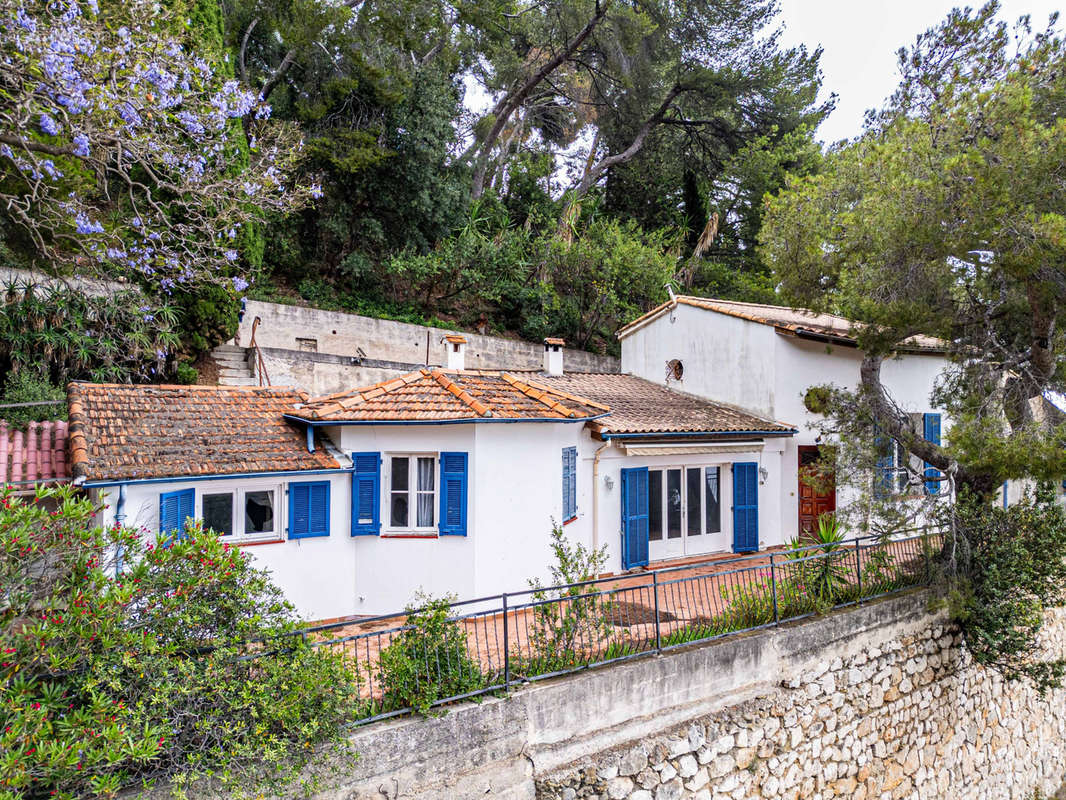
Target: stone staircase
column 233, row 369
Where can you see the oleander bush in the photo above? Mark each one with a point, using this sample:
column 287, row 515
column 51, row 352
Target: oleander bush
column 124, row 662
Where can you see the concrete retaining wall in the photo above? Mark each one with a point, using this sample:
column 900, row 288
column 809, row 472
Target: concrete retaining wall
column 295, row 329
column 879, row 701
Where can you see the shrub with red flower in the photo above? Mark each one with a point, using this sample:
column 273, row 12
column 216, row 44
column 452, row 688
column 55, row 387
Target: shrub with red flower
column 122, row 662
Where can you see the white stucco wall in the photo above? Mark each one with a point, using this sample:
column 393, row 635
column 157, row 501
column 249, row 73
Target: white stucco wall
column 316, row 574
column 749, row 365
column 726, row 359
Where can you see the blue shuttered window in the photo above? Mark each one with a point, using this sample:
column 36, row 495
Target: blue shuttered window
column 366, row 494
column 308, row 509
column 569, row 483
column 745, row 507
column 174, row 509
column 634, row 517
column 885, row 471
column 453, row 489
column 931, row 424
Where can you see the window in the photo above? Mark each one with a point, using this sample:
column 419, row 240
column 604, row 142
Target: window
column 242, row 514
column 673, row 504
column 713, row 498
column 412, row 493
column 218, row 513
column 684, row 501
column 655, row 505
column 695, row 524
column 896, row 466
column 569, row 483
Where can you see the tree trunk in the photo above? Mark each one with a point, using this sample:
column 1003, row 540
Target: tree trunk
column 894, row 423
column 507, row 104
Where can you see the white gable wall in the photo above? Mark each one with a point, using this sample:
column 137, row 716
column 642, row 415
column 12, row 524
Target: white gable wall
column 726, row 359
column 748, row 364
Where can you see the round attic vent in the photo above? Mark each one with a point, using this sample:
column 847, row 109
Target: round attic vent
column 675, row 370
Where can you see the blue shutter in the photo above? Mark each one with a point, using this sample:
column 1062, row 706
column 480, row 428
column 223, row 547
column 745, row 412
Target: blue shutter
column 884, row 472
column 174, row 509
column 308, row 509
column 634, row 517
column 453, row 482
column 745, row 507
column 569, row 483
column 366, row 494
column 932, row 434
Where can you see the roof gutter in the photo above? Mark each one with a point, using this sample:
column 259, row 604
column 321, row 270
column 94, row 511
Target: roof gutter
column 737, row 435
column 844, row 341
column 325, row 423
column 227, row 476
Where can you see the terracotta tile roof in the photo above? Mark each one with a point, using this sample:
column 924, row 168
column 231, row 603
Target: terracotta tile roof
column 36, row 455
column 785, row 319
column 640, row 406
column 128, row 432
column 434, row 394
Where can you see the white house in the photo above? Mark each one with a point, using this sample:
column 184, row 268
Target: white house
column 764, row 358
column 447, row 480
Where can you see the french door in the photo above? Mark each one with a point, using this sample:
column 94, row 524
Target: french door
column 684, row 511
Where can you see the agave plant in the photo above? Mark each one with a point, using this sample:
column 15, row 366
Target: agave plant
column 819, row 562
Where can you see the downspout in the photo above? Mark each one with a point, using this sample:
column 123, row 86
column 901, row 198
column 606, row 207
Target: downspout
column 120, row 518
column 596, row 495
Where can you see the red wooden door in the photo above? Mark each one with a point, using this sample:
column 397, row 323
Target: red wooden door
column 812, row 504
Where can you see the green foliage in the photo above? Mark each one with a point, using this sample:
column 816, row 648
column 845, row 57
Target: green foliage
column 186, row 373
column 206, row 317
column 1007, row 572
column 70, row 335
column 427, row 661
column 124, row 662
column 822, row 570
column 569, row 624
column 26, row 386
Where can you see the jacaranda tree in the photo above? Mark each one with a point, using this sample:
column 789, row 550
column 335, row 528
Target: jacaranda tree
column 122, row 149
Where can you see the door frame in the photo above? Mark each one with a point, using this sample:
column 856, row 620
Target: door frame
column 801, row 450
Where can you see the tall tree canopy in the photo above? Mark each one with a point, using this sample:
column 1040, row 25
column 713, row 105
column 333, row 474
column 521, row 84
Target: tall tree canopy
column 948, row 218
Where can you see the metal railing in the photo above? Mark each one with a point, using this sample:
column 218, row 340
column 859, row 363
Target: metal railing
column 258, row 365
column 490, row 644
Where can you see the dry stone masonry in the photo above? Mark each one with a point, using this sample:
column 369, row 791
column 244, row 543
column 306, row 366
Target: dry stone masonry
column 910, row 718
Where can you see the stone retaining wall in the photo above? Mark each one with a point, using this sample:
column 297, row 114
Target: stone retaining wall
column 911, row 717
column 878, row 701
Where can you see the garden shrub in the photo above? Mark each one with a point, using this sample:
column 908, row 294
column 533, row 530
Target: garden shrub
column 1005, row 577
column 427, row 661
column 569, row 625
column 28, row 386
column 124, row 662
column 206, row 317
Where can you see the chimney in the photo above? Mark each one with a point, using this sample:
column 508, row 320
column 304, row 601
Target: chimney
column 456, row 346
column 553, row 356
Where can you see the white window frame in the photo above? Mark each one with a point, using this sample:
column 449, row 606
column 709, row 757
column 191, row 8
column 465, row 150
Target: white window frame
column 239, row 494
column 412, row 495
column 723, row 527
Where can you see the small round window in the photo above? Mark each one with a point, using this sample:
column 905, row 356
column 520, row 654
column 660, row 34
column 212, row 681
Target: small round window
column 675, row 370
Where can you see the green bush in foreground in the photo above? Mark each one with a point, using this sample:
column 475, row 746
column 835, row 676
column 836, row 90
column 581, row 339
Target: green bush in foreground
column 122, row 662
column 427, row 661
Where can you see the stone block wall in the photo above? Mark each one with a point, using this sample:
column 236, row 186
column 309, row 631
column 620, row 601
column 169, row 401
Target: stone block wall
column 910, row 717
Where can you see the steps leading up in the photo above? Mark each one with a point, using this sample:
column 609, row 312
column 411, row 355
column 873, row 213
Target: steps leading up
column 233, row 369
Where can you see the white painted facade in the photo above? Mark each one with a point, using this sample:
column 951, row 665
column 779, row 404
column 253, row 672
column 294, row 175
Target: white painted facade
column 515, row 488
column 749, row 364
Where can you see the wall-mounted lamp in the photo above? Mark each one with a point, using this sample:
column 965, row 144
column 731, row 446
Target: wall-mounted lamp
column 764, row 473
column 608, row 481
